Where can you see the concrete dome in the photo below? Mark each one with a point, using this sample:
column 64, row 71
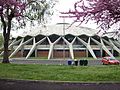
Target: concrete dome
column 59, row 29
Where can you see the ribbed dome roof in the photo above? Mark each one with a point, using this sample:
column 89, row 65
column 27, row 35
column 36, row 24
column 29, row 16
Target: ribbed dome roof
column 59, row 29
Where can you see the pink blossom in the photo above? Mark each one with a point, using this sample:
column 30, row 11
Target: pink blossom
column 103, row 12
column 16, row 6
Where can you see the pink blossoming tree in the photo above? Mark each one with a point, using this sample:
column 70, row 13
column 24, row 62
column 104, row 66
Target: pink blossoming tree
column 21, row 10
column 104, row 12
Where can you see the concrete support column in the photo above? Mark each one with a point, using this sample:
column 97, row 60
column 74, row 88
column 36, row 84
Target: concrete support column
column 36, row 52
column 51, row 50
column 101, row 44
column 118, row 44
column 18, row 48
column 114, row 47
column 88, row 47
column 34, row 47
column 70, row 46
column 11, row 45
column 104, row 47
column 22, row 51
column 52, row 46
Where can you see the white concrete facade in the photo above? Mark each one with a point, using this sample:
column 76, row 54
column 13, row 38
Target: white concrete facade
column 73, row 41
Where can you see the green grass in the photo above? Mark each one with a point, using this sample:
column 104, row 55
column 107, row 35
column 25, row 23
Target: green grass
column 60, row 73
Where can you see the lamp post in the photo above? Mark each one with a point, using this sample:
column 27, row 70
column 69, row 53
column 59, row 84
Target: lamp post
column 64, row 28
column 64, row 37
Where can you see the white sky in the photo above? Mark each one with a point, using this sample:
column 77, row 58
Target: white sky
column 61, row 6
column 64, row 6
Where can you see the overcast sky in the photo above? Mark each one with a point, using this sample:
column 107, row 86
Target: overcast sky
column 64, row 6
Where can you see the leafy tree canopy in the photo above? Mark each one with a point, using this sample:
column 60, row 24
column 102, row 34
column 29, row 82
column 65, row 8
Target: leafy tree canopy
column 22, row 11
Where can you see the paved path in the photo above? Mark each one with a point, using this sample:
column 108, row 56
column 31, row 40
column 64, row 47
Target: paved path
column 45, row 85
column 50, row 62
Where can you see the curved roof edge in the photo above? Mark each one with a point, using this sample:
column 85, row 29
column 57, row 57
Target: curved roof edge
column 58, row 29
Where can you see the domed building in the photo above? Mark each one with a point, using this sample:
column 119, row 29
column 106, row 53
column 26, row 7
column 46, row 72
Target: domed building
column 58, row 42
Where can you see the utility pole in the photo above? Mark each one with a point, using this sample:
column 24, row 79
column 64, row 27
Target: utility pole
column 64, row 37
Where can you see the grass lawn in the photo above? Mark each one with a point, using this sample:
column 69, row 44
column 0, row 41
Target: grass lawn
column 60, row 73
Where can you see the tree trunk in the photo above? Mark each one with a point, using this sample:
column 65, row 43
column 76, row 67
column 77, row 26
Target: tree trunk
column 6, row 34
column 6, row 52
